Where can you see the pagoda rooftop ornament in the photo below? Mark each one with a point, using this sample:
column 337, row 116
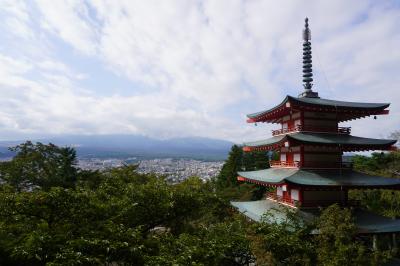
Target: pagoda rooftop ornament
column 307, row 64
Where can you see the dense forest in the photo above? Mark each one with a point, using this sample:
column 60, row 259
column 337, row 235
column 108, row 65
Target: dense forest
column 52, row 213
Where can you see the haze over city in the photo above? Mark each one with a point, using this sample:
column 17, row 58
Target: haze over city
column 168, row 69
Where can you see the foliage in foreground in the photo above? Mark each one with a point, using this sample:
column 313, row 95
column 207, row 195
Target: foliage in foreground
column 330, row 240
column 385, row 202
column 54, row 214
column 226, row 182
column 51, row 213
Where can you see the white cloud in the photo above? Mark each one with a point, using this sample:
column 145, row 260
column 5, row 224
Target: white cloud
column 70, row 21
column 16, row 17
column 204, row 63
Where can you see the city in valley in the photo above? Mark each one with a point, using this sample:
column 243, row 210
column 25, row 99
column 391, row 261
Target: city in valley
column 175, row 170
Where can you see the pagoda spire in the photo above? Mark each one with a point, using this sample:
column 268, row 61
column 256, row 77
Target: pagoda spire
column 307, row 64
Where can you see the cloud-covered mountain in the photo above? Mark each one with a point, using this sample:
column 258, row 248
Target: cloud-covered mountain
column 136, row 145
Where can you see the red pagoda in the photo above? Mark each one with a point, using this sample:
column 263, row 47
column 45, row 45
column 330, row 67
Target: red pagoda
column 310, row 172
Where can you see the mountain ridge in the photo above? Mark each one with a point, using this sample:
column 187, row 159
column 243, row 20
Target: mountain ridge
column 118, row 145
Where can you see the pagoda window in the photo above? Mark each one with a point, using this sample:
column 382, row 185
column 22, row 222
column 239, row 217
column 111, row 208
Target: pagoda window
column 279, row 191
column 294, row 194
column 285, row 125
column 286, row 144
column 283, row 157
column 296, row 157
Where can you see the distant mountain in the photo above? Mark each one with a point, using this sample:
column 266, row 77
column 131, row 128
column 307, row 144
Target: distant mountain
column 135, row 145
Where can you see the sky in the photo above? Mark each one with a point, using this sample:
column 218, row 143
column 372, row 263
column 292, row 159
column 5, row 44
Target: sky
column 166, row 69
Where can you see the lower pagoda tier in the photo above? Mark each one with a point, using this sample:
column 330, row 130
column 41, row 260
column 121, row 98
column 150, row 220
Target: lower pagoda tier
column 315, row 188
column 366, row 222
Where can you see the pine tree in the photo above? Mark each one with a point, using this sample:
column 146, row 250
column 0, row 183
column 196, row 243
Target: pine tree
column 228, row 175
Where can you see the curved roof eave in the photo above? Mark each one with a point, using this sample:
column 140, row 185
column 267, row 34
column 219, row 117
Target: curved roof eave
column 323, row 102
column 254, row 115
column 265, row 142
column 339, row 139
column 323, row 138
column 270, row 175
column 340, row 104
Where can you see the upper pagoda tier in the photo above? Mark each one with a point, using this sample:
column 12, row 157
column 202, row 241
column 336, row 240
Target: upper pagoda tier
column 343, row 111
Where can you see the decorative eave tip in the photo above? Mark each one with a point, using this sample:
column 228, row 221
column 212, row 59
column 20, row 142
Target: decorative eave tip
column 307, row 64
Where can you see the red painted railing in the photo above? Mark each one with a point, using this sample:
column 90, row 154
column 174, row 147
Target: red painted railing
column 284, row 164
column 311, row 203
column 301, row 128
column 288, row 200
column 311, row 164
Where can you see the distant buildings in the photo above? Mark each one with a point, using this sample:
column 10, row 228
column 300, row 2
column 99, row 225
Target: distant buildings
column 175, row 170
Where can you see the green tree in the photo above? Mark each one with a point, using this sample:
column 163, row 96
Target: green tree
column 217, row 244
column 385, row 202
column 118, row 217
column 386, row 164
column 337, row 243
column 228, row 175
column 40, row 165
column 286, row 237
column 255, row 160
column 226, row 182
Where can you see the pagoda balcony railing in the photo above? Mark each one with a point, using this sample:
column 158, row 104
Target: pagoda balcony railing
column 302, row 128
column 282, row 199
column 311, row 203
column 284, row 164
column 311, row 164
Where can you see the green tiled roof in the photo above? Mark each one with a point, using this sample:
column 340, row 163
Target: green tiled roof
column 324, row 102
column 270, row 175
column 269, row 110
column 330, row 177
column 339, row 104
column 323, row 138
column 255, row 209
column 269, row 141
column 366, row 222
